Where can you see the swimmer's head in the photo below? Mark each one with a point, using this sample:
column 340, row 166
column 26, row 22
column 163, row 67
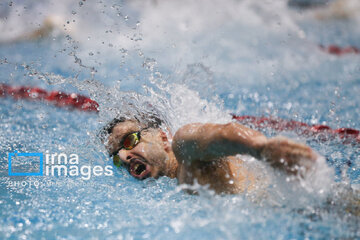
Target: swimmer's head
column 141, row 145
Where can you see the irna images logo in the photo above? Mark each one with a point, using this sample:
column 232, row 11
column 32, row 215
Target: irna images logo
column 55, row 165
column 13, row 157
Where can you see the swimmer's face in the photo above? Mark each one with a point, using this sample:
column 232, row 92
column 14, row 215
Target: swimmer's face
column 151, row 157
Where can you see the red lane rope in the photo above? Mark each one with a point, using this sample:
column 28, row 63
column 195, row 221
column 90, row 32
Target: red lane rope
column 336, row 50
column 321, row 132
column 58, row 98
column 83, row 103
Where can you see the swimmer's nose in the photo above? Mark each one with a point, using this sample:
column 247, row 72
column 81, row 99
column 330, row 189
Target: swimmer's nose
column 125, row 155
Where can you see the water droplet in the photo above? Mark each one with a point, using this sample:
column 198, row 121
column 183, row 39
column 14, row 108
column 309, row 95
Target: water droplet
column 81, row 3
column 73, row 12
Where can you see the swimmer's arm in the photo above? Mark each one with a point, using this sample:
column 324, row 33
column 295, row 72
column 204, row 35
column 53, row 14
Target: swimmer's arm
column 288, row 155
column 209, row 142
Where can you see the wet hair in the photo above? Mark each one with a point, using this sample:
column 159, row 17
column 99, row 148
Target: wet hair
column 150, row 120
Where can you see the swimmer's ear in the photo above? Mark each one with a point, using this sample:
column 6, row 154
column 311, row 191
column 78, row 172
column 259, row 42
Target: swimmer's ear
column 165, row 139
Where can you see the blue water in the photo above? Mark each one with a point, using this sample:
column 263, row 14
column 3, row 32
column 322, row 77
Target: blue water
column 196, row 62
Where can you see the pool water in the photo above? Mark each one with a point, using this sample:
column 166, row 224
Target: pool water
column 196, row 61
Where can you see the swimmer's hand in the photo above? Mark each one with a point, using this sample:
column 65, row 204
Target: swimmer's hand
column 288, row 155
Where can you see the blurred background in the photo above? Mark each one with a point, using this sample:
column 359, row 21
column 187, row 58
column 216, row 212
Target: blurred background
column 194, row 61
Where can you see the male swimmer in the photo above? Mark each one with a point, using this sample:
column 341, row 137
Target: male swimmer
column 205, row 153
column 51, row 26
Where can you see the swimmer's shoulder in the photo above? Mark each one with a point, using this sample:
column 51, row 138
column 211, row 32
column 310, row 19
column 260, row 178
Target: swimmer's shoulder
column 190, row 141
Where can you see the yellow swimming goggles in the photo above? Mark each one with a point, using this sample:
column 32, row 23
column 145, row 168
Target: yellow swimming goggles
column 128, row 142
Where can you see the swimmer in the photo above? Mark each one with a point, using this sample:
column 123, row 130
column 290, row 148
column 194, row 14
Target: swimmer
column 51, row 26
column 202, row 153
column 329, row 9
column 339, row 9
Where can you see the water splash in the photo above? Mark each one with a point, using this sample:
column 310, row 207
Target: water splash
column 194, row 62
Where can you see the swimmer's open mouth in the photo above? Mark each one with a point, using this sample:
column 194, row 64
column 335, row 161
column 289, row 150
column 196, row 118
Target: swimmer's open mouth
column 139, row 169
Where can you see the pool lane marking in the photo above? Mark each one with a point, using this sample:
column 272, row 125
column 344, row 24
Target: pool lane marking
column 339, row 51
column 321, row 132
column 83, row 103
column 58, row 98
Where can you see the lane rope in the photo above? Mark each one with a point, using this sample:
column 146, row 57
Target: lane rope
column 339, row 51
column 58, row 98
column 83, row 103
column 320, row 132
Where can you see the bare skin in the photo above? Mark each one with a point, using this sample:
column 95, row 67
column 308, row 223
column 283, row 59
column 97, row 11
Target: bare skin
column 339, row 9
column 206, row 153
column 49, row 24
